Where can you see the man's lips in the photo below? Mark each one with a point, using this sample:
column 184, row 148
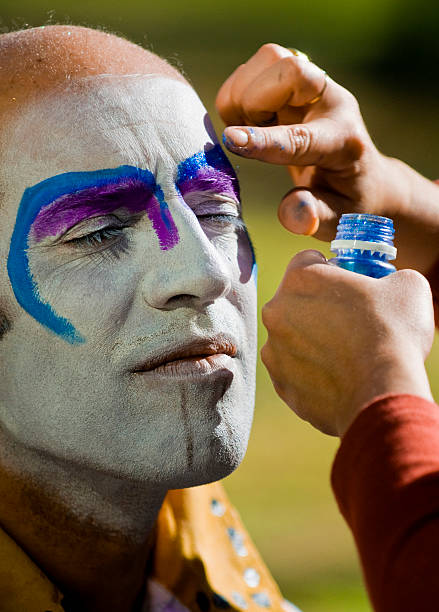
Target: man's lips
column 194, row 351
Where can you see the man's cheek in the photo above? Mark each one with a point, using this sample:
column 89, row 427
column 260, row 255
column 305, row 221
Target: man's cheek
column 26, row 289
column 246, row 258
column 89, row 295
column 28, row 295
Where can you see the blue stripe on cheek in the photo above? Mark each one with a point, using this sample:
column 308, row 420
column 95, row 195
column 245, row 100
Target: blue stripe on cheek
column 45, row 193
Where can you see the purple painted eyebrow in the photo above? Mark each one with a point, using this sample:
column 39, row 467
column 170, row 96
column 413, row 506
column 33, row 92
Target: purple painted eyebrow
column 70, row 209
column 208, row 170
column 209, row 179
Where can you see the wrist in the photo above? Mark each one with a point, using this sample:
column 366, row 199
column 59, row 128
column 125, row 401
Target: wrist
column 393, row 376
column 395, row 187
column 411, row 200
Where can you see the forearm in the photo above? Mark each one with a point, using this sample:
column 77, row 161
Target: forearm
column 414, row 207
column 386, row 477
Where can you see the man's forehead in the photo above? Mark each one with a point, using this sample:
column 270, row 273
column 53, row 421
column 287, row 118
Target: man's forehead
column 105, row 121
column 36, row 60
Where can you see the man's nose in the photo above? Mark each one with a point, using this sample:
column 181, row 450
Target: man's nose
column 193, row 273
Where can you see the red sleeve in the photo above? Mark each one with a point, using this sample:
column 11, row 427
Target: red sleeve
column 386, row 480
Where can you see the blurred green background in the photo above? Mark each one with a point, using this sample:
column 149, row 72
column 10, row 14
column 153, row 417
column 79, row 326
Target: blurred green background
column 382, row 50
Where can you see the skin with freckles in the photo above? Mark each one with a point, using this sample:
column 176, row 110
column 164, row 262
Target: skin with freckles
column 123, row 215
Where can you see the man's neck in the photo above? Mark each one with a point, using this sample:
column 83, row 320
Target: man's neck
column 91, row 534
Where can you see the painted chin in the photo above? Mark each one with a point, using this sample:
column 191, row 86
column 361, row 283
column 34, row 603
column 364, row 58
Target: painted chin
column 197, row 367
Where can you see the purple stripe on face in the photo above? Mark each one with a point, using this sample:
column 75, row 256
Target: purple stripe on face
column 132, row 195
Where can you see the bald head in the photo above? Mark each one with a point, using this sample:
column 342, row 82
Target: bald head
column 36, row 60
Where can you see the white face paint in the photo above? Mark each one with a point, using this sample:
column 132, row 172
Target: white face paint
column 82, row 403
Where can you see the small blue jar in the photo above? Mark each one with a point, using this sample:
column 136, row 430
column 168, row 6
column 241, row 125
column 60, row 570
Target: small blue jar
column 364, row 244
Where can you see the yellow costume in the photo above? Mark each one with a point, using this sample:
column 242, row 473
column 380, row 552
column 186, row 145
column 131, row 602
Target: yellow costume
column 203, row 561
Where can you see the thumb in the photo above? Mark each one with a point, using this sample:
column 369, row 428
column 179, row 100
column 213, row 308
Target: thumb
column 313, row 213
column 306, row 258
column 315, row 143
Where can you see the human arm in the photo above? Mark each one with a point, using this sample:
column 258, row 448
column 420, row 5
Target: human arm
column 346, row 352
column 334, row 348
column 386, row 480
column 328, row 152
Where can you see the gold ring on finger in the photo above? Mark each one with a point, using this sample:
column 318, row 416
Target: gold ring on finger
column 302, row 55
column 299, row 54
column 319, row 96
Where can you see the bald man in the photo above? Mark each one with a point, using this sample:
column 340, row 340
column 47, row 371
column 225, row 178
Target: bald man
column 128, row 309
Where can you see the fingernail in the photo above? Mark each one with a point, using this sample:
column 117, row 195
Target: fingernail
column 236, row 138
column 304, row 209
column 298, row 215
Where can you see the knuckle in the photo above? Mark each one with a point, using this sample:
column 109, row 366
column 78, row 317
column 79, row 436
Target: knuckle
column 304, row 74
column 223, row 94
column 281, row 390
column 416, row 305
column 220, row 100
column 355, row 147
column 301, row 69
column 292, row 67
column 307, row 78
column 295, row 277
column 266, row 355
column 299, row 139
column 314, row 85
column 255, row 115
column 307, row 256
column 268, row 358
column 236, row 86
column 262, row 138
column 269, row 315
column 357, row 132
column 271, row 51
column 299, row 283
column 347, row 96
column 416, row 281
column 351, row 99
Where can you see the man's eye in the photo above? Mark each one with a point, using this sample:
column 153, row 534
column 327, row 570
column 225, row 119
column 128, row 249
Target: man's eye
column 222, row 219
column 97, row 238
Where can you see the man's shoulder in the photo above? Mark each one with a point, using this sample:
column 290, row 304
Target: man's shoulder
column 205, row 557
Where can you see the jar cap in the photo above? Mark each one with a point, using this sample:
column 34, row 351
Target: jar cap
column 363, row 245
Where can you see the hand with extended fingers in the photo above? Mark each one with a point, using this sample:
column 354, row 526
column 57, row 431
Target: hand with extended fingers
column 283, row 109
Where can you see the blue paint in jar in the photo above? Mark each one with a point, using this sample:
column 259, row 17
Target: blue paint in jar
column 364, row 244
